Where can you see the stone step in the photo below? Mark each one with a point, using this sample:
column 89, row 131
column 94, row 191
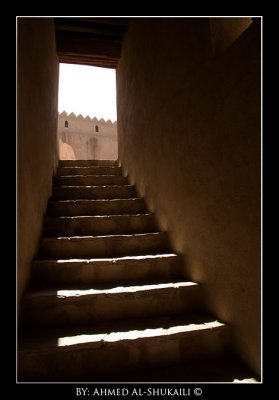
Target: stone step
column 88, row 306
column 106, row 270
column 99, row 225
column 87, row 163
column 107, row 352
column 93, row 192
column 104, row 246
column 216, row 369
column 62, row 171
column 96, row 207
column 90, row 180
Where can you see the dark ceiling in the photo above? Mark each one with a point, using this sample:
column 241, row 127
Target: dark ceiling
column 90, row 41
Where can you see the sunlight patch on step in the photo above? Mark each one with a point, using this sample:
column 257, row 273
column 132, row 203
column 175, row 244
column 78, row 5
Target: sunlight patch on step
column 115, row 259
column 78, row 201
column 136, row 334
column 115, row 236
column 122, row 289
column 245, row 380
column 89, row 187
column 79, row 339
column 108, row 217
column 160, row 332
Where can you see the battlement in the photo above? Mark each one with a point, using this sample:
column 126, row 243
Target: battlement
column 85, row 138
column 94, row 120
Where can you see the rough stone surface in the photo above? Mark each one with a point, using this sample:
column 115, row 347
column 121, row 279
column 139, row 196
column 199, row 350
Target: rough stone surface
column 99, row 225
column 98, row 246
column 85, row 306
column 90, row 180
column 111, row 303
column 117, row 269
column 87, row 163
column 89, row 170
column 137, row 346
column 94, row 192
column 96, row 207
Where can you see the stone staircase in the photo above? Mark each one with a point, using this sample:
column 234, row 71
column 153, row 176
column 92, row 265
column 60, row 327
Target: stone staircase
column 107, row 300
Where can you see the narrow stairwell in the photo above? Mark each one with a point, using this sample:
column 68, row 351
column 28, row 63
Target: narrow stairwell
column 107, row 300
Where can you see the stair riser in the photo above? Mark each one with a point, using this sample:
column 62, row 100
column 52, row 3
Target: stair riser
column 87, row 163
column 103, row 246
column 57, row 316
column 60, row 311
column 51, row 272
column 89, row 171
column 97, row 207
column 99, row 225
column 90, row 180
column 110, row 362
column 93, row 192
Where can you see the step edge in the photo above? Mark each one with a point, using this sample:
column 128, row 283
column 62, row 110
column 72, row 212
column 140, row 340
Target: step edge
column 95, row 200
column 89, row 237
column 105, row 216
column 111, row 259
column 105, row 339
column 115, row 291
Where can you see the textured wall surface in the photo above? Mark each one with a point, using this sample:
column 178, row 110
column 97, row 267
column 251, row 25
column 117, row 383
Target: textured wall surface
column 36, row 137
column 189, row 137
column 224, row 31
column 81, row 141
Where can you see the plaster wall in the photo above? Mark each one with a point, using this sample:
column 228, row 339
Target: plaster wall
column 37, row 94
column 189, row 128
column 86, row 138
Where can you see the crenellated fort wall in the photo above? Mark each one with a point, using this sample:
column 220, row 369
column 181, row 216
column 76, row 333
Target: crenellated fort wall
column 86, row 138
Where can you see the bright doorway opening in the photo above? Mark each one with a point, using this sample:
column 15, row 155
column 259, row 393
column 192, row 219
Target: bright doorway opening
column 87, row 119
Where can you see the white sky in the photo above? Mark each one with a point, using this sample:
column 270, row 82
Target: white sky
column 88, row 91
